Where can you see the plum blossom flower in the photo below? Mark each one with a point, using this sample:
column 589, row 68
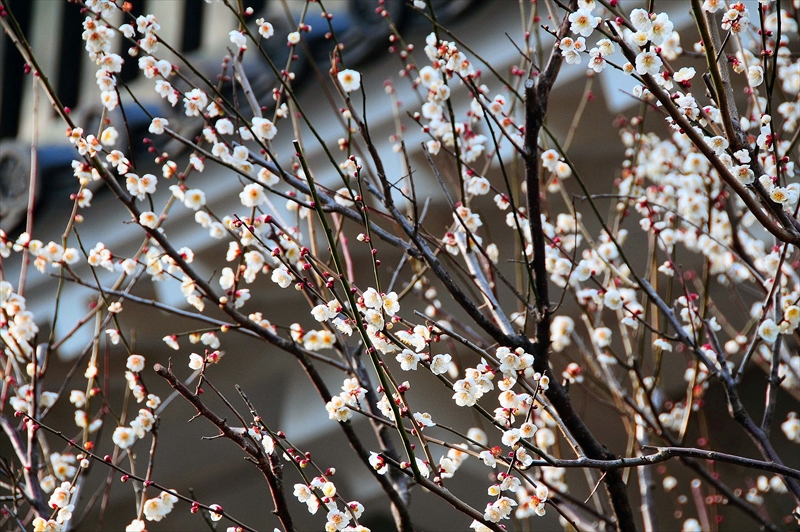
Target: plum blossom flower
column 378, row 463
column 719, row 144
column 662, row 344
column 148, row 219
column 109, row 136
column 61, row 495
column 390, row 304
column 268, row 178
column 612, row 299
column 768, row 330
column 550, row 158
column 372, row 299
column 743, row 174
column 337, row 520
column 137, row 525
column 172, row 342
column 648, row 63
column 755, row 76
column 265, row 29
column 263, row 128
column 135, row 363
column 571, row 49
column 582, row 22
column 157, row 508
column 252, row 195
column 488, row 458
column 238, row 39
column 791, row 427
column 195, row 361
column 597, row 61
column 602, row 337
column 109, row 99
column 281, row 277
column 660, row 29
column 194, row 102
column 440, row 364
column 784, row 195
column 350, row 80
column 684, row 74
column 194, row 198
column 338, row 409
column 408, row 359
column 140, row 186
column 424, row 419
column 227, row 279
column 210, row 339
column 123, row 437
column 640, row 19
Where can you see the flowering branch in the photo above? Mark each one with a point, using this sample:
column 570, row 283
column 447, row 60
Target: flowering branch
column 711, row 272
column 536, row 99
column 260, row 458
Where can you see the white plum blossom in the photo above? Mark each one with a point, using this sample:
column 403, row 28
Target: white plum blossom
column 571, row 50
column 350, row 80
column 194, row 199
column 583, row 22
column 252, row 195
column 408, row 360
column 440, row 364
column 768, row 330
column 123, row 437
column 648, row 62
column 141, row 186
column 263, row 128
column 281, row 277
column 265, row 29
column 660, row 29
column 238, row 39
column 194, row 102
column 755, row 76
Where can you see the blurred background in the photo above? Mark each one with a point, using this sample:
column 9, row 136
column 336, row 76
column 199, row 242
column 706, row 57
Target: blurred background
column 214, row 469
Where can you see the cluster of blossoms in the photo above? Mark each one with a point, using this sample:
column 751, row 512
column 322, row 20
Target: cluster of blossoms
column 352, row 396
column 125, row 436
column 448, row 63
column 530, row 502
column 321, row 492
column 60, row 500
column 158, row 508
column 98, row 39
column 17, row 325
column 52, row 253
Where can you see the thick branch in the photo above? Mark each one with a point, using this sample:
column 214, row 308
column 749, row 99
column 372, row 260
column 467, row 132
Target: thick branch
column 34, row 494
column 537, row 92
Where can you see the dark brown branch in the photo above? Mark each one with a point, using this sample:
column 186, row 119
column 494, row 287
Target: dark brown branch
column 199, row 317
column 773, row 384
column 537, row 91
column 447, row 495
column 35, row 495
column 260, row 458
column 666, row 453
column 131, row 476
